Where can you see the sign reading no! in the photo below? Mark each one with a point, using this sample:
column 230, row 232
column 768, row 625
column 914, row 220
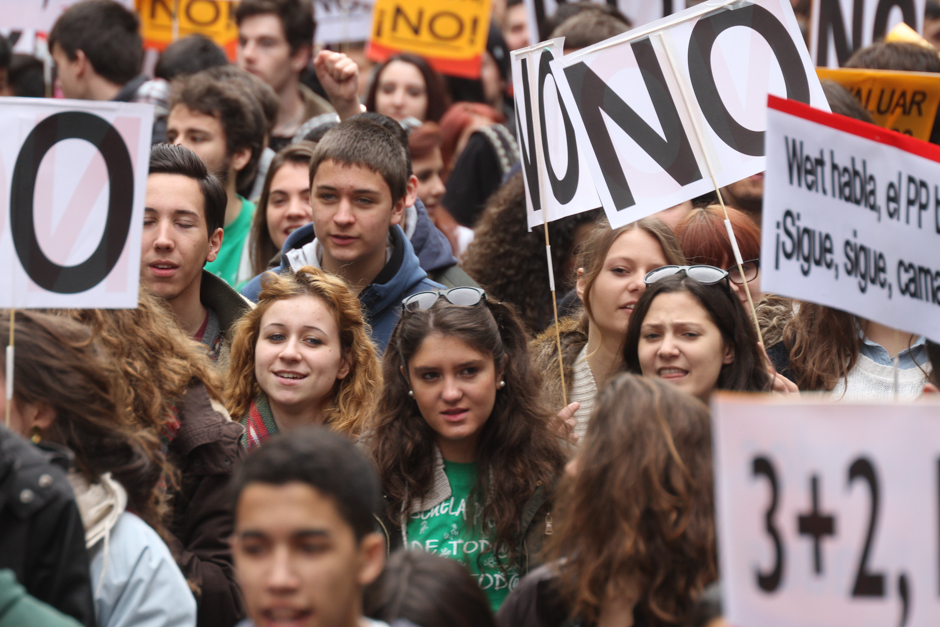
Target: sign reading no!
column 73, row 177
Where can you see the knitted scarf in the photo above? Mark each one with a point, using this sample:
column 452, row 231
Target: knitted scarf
column 258, row 422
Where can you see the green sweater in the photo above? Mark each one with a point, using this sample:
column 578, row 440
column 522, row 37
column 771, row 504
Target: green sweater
column 17, row 608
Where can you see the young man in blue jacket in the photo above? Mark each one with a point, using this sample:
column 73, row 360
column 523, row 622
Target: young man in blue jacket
column 358, row 193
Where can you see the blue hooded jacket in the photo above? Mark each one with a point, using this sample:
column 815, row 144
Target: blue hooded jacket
column 381, row 299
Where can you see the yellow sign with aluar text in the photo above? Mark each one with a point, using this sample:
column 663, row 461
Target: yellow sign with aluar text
column 901, row 101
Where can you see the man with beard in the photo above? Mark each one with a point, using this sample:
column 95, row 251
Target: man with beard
column 223, row 123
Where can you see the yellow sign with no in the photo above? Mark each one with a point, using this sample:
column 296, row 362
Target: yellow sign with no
column 450, row 34
column 213, row 18
column 901, row 101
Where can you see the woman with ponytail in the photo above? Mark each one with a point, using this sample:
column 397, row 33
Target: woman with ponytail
column 460, row 392
column 68, row 393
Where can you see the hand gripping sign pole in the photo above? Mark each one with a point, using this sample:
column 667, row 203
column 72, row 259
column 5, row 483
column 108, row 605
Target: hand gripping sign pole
column 540, row 165
column 711, row 172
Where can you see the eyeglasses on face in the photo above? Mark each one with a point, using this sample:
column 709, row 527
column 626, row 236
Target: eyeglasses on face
column 462, row 296
column 707, row 275
column 751, row 268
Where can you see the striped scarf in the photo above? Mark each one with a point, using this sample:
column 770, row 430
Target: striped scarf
column 258, row 422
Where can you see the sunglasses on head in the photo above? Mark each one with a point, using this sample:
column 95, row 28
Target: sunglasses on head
column 462, row 296
column 706, row 275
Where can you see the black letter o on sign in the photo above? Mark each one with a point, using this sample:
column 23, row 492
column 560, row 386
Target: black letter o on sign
column 86, row 275
column 703, row 38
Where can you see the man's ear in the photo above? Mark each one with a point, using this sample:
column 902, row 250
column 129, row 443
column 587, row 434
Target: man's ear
column 241, row 158
column 411, row 190
column 215, row 243
column 82, row 65
column 398, row 211
column 300, row 58
column 371, row 558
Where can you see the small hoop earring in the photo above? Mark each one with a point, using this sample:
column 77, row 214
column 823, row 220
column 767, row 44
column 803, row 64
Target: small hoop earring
column 502, row 384
column 36, row 437
column 411, row 393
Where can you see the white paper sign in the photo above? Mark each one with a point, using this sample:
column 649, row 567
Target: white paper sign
column 851, row 218
column 547, row 141
column 840, row 27
column 667, row 106
column 639, row 12
column 341, row 21
column 73, row 177
column 38, row 15
column 828, row 513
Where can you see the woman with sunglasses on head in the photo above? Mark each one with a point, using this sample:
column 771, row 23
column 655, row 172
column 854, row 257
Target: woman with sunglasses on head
column 302, row 356
column 691, row 330
column 634, row 540
column 461, row 442
column 612, row 264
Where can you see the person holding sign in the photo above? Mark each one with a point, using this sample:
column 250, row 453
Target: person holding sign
column 461, row 442
column 611, row 267
column 183, row 216
column 302, row 357
column 634, row 542
column 691, row 330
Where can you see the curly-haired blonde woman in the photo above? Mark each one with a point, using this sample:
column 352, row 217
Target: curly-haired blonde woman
column 634, row 540
column 303, row 356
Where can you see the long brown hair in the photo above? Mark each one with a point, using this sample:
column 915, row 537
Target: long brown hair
column 59, row 364
column 594, row 251
column 637, row 517
column 823, row 344
column 155, row 357
column 517, row 449
column 354, row 395
column 262, row 247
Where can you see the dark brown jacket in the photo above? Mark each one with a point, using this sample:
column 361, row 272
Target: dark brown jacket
column 206, row 451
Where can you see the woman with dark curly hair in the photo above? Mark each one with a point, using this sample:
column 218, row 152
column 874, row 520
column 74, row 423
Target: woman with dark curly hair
column 302, row 356
column 509, row 261
column 463, row 447
column 634, row 540
column 68, row 392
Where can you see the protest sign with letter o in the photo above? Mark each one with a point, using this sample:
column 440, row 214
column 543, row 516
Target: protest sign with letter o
column 73, row 177
column 678, row 107
column 851, row 218
column 828, row 513
column 639, row 12
column 840, row 27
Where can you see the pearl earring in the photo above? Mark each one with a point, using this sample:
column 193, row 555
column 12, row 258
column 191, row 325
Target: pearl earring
column 502, row 384
column 411, row 393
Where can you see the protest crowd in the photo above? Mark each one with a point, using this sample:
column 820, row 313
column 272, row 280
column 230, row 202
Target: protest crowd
column 346, row 396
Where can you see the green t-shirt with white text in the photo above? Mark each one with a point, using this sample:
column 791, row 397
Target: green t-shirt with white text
column 445, row 530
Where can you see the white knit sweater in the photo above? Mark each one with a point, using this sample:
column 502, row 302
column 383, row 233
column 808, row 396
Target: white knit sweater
column 584, row 391
column 870, row 381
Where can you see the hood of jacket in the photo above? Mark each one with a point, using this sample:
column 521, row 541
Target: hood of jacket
column 431, row 245
column 100, row 504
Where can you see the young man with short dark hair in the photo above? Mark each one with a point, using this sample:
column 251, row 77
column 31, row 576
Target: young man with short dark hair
column 223, row 123
column 359, row 188
column 275, row 43
column 305, row 541
column 183, row 215
column 98, row 51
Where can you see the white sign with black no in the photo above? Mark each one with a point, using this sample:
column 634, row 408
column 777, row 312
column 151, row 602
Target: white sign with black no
column 851, row 218
column 828, row 513
column 668, row 106
column 73, row 178
column 838, row 28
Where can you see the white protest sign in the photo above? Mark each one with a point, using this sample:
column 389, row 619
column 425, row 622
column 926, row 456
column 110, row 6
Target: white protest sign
column 840, row 27
column 828, row 513
column 547, row 140
column 39, row 15
column 667, row 106
column 73, row 178
column 341, row 21
column 639, row 12
column 851, row 218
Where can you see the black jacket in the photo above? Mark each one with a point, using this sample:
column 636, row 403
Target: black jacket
column 42, row 539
